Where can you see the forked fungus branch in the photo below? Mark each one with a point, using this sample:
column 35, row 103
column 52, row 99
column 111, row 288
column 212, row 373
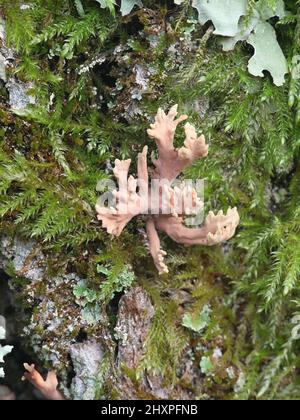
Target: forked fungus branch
column 48, row 387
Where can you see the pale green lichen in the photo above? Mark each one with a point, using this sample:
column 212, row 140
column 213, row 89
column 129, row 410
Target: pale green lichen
column 231, row 21
column 4, row 350
column 225, row 15
column 261, row 35
column 268, row 54
column 2, row 333
column 128, row 5
column 206, row 365
column 199, row 323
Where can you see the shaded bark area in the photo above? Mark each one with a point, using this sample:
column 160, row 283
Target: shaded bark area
column 135, row 318
column 88, row 365
column 13, row 387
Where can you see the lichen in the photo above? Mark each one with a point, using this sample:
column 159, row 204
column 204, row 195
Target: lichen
column 4, row 350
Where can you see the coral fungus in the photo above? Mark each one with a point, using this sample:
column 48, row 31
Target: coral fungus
column 166, row 204
column 47, row 387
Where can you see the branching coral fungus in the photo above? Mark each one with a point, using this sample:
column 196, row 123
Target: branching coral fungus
column 166, row 204
column 47, row 387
